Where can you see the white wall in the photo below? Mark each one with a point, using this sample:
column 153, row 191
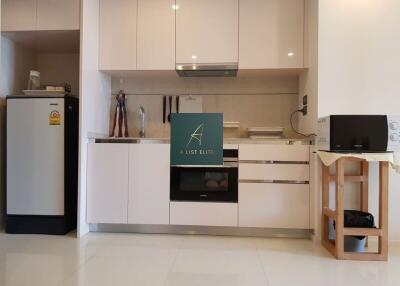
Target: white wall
column 308, row 84
column 309, row 78
column 16, row 62
column 358, row 68
column 59, row 68
column 95, row 98
column 270, row 96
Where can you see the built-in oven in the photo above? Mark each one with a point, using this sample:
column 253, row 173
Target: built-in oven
column 206, row 183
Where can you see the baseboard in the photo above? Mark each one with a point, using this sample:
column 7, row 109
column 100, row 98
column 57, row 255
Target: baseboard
column 202, row 230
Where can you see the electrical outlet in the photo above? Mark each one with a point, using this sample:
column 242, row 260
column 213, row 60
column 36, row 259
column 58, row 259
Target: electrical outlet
column 305, row 99
column 305, row 110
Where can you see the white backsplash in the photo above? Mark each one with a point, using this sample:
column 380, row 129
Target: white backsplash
column 253, row 99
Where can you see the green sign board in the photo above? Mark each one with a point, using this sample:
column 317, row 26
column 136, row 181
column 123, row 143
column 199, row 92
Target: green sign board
column 196, row 139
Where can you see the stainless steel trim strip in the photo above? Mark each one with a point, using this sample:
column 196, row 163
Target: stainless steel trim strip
column 231, row 159
column 226, row 165
column 203, row 230
column 132, row 140
column 206, row 67
column 274, row 162
column 100, row 138
column 275, row 182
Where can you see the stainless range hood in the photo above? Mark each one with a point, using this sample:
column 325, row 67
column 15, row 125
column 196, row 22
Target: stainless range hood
column 207, row 70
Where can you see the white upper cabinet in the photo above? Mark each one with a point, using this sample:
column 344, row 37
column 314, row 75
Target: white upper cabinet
column 18, row 15
column 156, row 35
column 41, row 15
column 117, row 34
column 207, row 31
column 58, row 14
column 271, row 34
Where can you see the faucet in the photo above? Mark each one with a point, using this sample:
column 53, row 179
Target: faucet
column 142, row 117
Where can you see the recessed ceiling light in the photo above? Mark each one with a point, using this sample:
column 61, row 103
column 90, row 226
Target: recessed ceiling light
column 194, row 67
column 194, row 57
column 291, row 54
column 179, row 67
column 175, row 7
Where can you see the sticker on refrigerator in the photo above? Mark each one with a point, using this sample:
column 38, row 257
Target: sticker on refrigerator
column 54, row 118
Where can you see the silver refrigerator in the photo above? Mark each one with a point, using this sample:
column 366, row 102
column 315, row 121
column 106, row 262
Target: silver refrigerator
column 42, row 164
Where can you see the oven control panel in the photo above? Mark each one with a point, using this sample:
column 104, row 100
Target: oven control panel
column 394, row 133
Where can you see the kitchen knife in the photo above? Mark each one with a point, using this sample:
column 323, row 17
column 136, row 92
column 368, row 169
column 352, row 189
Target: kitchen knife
column 170, row 108
column 164, row 108
column 177, row 104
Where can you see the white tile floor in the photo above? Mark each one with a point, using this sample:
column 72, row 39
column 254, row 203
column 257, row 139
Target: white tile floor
column 138, row 259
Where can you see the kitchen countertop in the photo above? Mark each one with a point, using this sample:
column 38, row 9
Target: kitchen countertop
column 138, row 140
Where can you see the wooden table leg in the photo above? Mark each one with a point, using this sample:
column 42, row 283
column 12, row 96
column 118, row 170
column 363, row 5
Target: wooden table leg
column 339, row 245
column 364, row 186
column 383, row 208
column 325, row 202
column 364, row 166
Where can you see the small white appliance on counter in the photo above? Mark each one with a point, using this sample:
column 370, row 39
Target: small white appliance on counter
column 42, row 164
column 359, row 133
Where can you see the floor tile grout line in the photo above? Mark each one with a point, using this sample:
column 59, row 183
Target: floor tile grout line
column 77, row 269
column 174, row 260
column 262, row 265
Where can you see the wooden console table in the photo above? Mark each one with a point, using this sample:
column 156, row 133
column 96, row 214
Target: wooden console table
column 336, row 247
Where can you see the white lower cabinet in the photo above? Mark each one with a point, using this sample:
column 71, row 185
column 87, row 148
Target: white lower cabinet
column 107, row 183
column 268, row 205
column 205, row 214
column 128, row 183
column 149, row 169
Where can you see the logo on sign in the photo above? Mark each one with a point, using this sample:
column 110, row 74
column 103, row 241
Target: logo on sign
column 196, row 135
column 196, row 139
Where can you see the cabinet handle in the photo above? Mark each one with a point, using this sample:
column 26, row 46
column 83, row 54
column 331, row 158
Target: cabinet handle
column 275, row 182
column 274, row 162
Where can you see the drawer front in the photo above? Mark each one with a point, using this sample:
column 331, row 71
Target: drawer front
column 206, row 214
column 231, row 146
column 274, row 205
column 260, row 152
column 272, row 172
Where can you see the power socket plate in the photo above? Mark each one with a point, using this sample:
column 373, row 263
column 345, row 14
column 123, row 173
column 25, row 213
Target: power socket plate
column 305, row 99
column 305, row 110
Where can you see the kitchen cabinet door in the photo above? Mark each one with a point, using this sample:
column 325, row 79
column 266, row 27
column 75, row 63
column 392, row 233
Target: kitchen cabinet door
column 274, row 205
column 107, row 183
column 207, row 31
column 117, row 34
column 149, row 169
column 156, row 35
column 18, row 15
column 271, row 34
column 58, row 14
